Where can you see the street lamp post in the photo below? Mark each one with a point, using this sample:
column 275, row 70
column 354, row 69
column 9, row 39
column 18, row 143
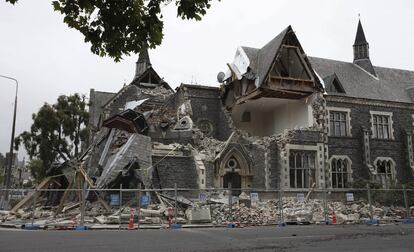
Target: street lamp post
column 10, row 160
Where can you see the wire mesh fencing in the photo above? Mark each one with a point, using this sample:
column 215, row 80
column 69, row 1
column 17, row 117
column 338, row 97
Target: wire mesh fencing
column 133, row 208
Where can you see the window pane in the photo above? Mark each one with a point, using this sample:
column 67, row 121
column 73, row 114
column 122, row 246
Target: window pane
column 305, row 161
column 389, row 167
column 345, row 165
column 298, row 160
column 292, row 160
column 312, row 160
column 342, row 116
column 312, row 177
column 345, row 180
column 337, row 129
column 333, row 165
column 340, row 180
column 334, row 181
column 386, row 132
column 380, row 132
column 299, row 178
column 375, row 131
column 338, row 165
column 343, row 128
column 292, row 177
column 306, row 178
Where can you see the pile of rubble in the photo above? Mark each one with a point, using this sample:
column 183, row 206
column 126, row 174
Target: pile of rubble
column 264, row 214
column 215, row 211
column 312, row 211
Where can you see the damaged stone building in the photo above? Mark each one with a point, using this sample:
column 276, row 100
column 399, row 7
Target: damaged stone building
column 279, row 119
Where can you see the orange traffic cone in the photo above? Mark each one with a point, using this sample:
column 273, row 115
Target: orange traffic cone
column 333, row 218
column 131, row 220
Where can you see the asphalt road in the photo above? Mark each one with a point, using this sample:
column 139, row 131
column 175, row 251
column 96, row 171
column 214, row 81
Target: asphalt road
column 291, row 238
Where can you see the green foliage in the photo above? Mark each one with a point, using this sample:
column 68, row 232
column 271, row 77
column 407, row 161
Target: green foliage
column 118, row 28
column 57, row 131
column 37, row 169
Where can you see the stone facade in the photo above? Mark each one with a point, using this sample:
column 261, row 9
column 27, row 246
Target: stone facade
column 279, row 119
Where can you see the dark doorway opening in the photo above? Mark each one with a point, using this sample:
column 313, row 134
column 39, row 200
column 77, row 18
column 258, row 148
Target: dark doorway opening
column 235, row 179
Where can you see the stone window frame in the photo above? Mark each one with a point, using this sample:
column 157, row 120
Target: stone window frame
column 320, row 165
column 305, row 169
column 348, row 120
column 390, row 124
column 393, row 169
column 349, row 173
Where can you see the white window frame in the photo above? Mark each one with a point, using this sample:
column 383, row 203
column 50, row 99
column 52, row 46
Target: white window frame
column 349, row 171
column 390, row 124
column 348, row 120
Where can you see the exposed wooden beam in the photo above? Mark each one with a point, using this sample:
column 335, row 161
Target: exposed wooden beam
column 250, row 96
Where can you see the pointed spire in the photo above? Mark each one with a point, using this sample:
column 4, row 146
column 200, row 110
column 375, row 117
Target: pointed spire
column 361, row 46
column 143, row 63
column 360, row 36
column 361, row 51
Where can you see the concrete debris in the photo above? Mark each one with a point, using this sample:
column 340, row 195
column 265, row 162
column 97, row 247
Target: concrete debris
column 215, row 211
column 198, row 215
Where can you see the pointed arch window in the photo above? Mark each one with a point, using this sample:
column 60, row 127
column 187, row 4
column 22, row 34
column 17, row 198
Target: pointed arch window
column 385, row 171
column 340, row 172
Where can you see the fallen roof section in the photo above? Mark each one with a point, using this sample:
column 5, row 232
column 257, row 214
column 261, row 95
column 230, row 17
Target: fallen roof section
column 129, row 121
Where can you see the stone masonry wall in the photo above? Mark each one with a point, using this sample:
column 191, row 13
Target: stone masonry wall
column 171, row 170
column 394, row 148
column 206, row 105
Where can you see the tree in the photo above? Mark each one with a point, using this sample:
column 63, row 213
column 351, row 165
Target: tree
column 118, row 28
column 57, row 131
column 36, row 168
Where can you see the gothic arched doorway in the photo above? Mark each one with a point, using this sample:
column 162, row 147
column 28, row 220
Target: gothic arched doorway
column 233, row 167
column 235, row 179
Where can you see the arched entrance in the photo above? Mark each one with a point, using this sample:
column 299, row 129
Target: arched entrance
column 235, row 179
column 234, row 168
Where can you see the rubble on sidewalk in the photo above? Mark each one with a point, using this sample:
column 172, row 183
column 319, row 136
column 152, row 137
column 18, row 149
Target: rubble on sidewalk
column 215, row 211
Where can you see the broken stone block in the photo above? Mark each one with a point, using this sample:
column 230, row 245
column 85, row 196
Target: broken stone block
column 101, row 219
column 198, row 215
column 341, row 218
column 151, row 220
column 353, row 217
column 4, row 212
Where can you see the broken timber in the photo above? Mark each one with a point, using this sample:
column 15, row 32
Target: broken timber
column 42, row 185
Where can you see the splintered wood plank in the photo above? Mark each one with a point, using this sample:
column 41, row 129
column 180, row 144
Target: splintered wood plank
column 42, row 185
column 63, row 199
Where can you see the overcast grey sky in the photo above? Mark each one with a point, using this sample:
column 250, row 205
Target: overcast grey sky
column 49, row 59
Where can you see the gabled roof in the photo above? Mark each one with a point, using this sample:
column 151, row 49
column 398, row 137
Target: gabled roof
column 332, row 82
column 268, row 53
column 390, row 85
column 261, row 60
column 135, row 85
